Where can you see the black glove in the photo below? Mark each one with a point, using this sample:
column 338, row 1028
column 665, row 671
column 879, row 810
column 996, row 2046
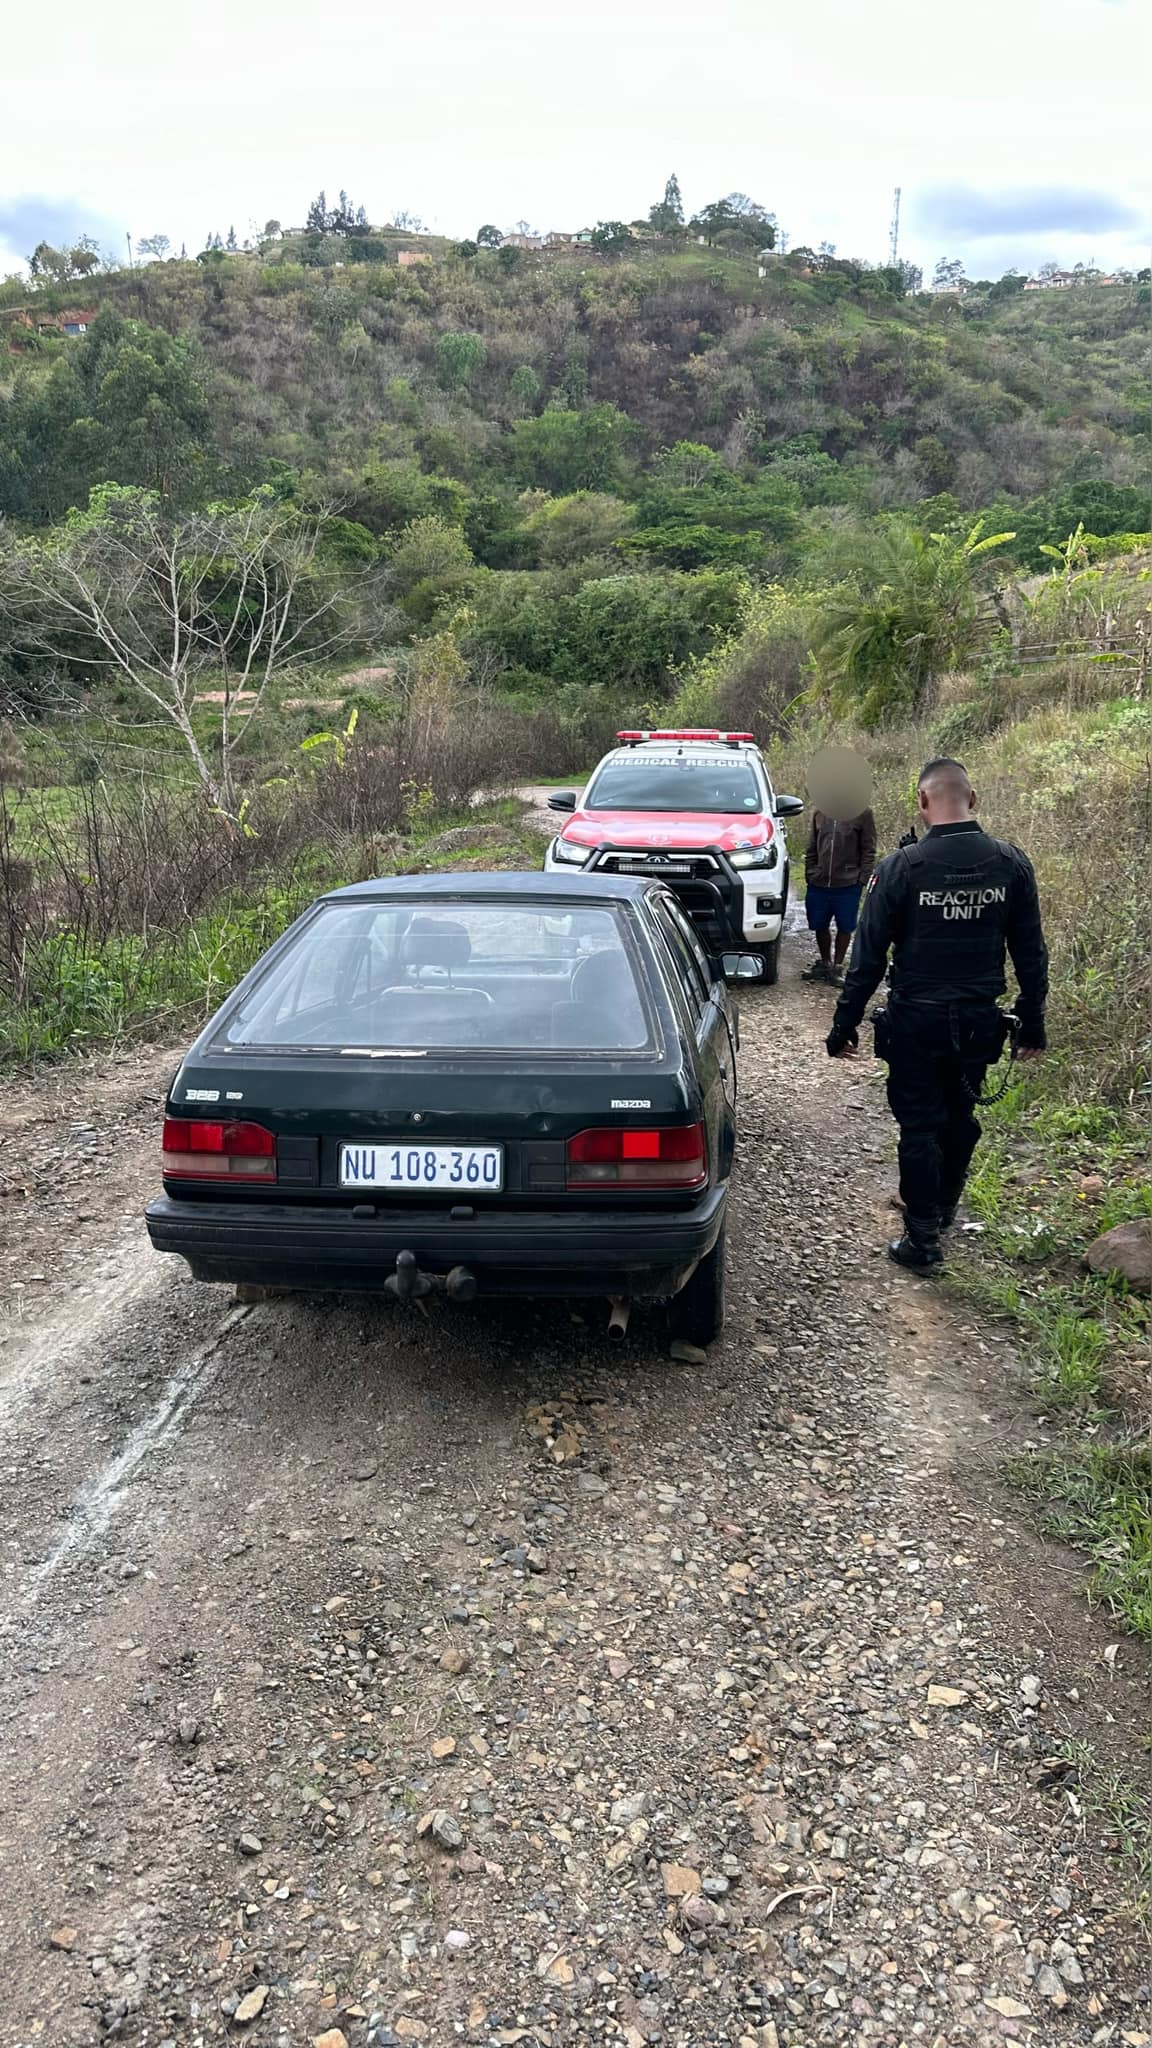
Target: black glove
column 1029, row 1035
column 840, row 1036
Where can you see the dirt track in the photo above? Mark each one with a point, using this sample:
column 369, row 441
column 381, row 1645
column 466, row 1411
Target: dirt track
column 653, row 1643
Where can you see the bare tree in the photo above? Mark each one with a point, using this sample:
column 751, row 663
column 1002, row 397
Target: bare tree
column 155, row 245
column 211, row 605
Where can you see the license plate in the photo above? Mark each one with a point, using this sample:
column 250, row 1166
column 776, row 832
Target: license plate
column 479, row 1168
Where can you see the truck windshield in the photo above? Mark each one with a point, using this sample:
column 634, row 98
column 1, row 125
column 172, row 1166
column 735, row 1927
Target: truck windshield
column 637, row 782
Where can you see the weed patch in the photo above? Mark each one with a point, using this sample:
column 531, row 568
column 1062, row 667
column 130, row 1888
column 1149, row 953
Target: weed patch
column 1126, row 1812
column 1098, row 1497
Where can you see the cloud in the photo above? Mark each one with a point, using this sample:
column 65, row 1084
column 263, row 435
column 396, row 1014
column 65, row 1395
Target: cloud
column 28, row 218
column 1046, row 209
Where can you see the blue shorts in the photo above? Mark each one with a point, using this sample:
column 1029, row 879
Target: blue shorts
column 822, row 905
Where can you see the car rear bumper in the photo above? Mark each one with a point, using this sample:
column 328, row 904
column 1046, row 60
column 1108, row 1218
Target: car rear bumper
column 590, row 1252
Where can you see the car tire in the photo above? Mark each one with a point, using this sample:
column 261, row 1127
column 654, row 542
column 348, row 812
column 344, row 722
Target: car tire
column 697, row 1312
column 770, row 955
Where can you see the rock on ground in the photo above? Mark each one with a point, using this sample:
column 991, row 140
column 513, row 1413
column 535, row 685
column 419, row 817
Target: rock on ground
column 1126, row 1252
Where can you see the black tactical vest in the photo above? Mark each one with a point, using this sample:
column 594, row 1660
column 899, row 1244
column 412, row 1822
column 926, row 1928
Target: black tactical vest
column 958, row 899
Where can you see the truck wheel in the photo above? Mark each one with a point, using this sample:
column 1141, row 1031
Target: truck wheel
column 770, row 955
column 697, row 1312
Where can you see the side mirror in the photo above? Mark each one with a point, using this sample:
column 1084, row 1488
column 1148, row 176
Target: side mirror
column 789, row 806
column 562, row 800
column 742, row 967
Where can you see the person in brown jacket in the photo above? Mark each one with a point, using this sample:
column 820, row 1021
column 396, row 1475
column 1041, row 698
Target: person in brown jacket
column 838, row 863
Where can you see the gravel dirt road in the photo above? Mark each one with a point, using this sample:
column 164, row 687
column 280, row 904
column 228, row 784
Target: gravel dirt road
column 374, row 1675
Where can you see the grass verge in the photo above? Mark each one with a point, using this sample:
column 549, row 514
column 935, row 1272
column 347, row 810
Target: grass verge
column 1098, row 1497
column 1052, row 1175
column 1126, row 1812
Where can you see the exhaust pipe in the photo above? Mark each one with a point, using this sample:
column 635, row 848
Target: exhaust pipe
column 618, row 1319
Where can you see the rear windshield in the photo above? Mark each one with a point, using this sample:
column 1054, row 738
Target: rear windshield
column 687, row 783
column 496, row 976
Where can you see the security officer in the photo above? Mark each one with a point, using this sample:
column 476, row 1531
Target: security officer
column 948, row 905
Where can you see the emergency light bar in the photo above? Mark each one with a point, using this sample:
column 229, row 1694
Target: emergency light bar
column 730, row 739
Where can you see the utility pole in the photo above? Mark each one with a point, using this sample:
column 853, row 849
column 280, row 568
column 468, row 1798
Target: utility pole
column 131, row 264
column 894, row 235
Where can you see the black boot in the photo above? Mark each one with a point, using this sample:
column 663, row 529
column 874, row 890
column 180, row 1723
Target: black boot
column 919, row 1248
column 947, row 1216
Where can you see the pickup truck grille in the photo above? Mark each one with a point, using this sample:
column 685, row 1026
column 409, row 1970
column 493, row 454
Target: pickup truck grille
column 706, row 888
column 665, row 867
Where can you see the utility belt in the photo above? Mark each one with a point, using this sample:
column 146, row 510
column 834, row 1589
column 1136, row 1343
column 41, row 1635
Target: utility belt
column 976, row 1031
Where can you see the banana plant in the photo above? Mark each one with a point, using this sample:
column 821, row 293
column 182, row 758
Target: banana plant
column 338, row 741
column 1072, row 555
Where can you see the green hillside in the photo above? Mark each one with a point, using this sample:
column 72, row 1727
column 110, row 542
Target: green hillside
column 579, row 465
column 828, row 386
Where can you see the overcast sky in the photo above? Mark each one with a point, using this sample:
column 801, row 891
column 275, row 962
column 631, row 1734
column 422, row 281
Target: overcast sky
column 1018, row 129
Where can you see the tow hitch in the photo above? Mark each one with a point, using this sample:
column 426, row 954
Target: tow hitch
column 408, row 1283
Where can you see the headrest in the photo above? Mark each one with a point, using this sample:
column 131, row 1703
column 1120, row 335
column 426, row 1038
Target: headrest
column 434, row 942
column 603, row 978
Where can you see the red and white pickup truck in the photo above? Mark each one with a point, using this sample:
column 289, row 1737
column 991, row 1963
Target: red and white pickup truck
column 698, row 810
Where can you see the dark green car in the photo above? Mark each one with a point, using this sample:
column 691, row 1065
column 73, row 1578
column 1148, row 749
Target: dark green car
column 504, row 1084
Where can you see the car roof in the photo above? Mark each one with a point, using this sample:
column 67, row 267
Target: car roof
column 533, row 883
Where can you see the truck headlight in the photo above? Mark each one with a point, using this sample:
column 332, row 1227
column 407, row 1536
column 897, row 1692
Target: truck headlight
column 572, row 856
column 753, row 857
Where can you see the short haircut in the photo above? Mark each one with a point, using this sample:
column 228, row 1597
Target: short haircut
column 948, row 777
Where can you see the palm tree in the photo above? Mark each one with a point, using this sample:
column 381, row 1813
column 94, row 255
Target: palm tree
column 911, row 611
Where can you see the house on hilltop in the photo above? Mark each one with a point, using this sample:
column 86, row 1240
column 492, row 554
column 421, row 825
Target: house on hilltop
column 560, row 239
column 1062, row 280
column 71, row 322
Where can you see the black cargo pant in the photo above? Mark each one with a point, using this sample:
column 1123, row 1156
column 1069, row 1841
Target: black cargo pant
column 938, row 1055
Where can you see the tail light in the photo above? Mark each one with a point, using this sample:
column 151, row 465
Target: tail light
column 672, row 1157
column 196, row 1149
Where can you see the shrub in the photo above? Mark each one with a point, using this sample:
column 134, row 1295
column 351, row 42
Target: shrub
column 458, row 357
column 431, row 563
column 571, row 529
column 630, row 632
column 571, row 451
column 753, row 678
